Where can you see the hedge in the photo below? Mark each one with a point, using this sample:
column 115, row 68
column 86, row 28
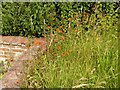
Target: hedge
column 36, row 18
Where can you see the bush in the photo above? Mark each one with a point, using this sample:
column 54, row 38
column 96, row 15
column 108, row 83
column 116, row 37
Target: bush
column 36, row 18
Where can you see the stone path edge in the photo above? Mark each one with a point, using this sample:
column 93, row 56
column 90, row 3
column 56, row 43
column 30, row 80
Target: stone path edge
column 12, row 78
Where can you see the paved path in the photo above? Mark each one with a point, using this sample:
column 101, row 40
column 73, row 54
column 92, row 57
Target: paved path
column 13, row 77
column 1, row 85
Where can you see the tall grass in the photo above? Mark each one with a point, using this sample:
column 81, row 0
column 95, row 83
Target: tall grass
column 77, row 59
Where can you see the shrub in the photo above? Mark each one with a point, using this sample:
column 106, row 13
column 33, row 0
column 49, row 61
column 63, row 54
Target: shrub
column 33, row 18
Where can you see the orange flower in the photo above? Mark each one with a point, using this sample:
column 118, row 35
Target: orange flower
column 56, row 37
column 85, row 15
column 63, row 38
column 58, row 48
column 37, row 42
column 69, row 19
column 60, row 31
column 56, row 29
column 49, row 27
column 17, row 81
column 56, row 40
column 61, row 27
column 63, row 54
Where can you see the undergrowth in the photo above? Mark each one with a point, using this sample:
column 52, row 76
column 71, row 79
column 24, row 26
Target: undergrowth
column 77, row 59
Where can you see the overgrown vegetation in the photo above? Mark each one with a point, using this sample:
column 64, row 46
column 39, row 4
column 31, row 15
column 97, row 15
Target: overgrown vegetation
column 4, row 65
column 83, row 42
column 86, row 56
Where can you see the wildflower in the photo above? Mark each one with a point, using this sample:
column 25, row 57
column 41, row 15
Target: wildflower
column 57, row 29
column 60, row 31
column 49, row 27
column 37, row 42
column 58, row 48
column 17, row 81
column 56, row 40
column 56, row 37
column 63, row 38
column 61, row 27
column 63, row 54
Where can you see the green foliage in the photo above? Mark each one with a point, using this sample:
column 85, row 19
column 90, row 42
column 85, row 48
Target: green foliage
column 16, row 19
column 33, row 18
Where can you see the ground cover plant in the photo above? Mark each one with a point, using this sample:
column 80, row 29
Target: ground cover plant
column 78, row 58
column 4, row 66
